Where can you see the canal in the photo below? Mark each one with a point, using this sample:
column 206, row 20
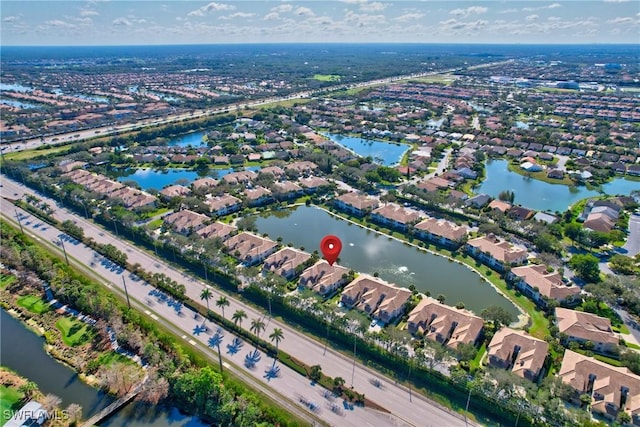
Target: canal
column 22, row 351
column 370, row 252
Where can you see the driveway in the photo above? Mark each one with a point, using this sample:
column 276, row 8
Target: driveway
column 632, row 247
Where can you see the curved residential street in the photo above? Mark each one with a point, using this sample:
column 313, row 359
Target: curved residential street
column 409, row 409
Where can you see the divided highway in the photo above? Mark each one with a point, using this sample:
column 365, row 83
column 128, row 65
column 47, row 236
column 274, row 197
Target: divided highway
column 407, row 409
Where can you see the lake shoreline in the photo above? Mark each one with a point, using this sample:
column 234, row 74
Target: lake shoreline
column 523, row 317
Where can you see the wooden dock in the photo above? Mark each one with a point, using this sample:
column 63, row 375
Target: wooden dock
column 114, row 407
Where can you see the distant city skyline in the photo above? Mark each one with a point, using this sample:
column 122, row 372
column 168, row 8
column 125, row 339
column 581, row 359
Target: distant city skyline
column 104, row 22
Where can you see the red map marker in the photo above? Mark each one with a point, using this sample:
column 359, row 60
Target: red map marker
column 330, row 247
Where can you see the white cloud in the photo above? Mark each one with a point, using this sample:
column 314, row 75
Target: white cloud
column 471, row 10
column 616, row 1
column 622, row 20
column 86, row 12
column 10, row 18
column 121, row 22
column 303, row 11
column 363, row 19
column 532, row 17
column 407, row 17
column 283, row 8
column 271, row 16
column 533, row 9
column 239, row 15
column 373, row 7
column 59, row 23
column 211, row 7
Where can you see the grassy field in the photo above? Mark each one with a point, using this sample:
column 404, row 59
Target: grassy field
column 28, row 154
column 74, row 332
column 540, row 176
column 9, row 398
column 111, row 357
column 34, row 304
column 6, row 280
column 327, row 77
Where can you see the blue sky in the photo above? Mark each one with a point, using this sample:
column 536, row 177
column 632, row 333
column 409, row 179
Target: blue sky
column 115, row 22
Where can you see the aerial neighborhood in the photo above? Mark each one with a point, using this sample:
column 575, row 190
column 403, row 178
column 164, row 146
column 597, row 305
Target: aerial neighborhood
column 529, row 185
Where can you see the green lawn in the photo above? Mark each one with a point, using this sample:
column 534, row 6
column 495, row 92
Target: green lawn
column 9, row 400
column 6, row 280
column 111, row 357
column 34, row 304
column 327, row 77
column 74, row 332
column 155, row 224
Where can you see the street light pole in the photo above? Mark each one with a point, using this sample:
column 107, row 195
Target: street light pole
column 19, row 222
column 126, row 292
column 466, row 409
column 64, row 250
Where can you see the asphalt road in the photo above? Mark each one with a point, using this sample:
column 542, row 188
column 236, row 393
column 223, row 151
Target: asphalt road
column 632, row 247
column 409, row 409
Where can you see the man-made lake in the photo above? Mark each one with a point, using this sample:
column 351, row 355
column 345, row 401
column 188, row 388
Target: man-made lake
column 194, row 139
column 158, row 179
column 22, row 351
column 369, row 252
column 385, row 153
column 541, row 195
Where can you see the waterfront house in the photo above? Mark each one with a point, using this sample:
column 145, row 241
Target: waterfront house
column 356, row 203
column 287, row 262
column 287, row 190
column 441, row 231
column 175, row 191
column 185, row 221
column 249, row 248
column 323, row 278
column 495, row 252
column 535, row 282
column 519, row 352
column 479, row 201
column 223, row 205
column 313, row 183
column 395, row 216
column 257, row 196
column 377, row 298
column 204, row 183
column 612, row 389
column 581, row 327
column 240, row 178
column 447, row 325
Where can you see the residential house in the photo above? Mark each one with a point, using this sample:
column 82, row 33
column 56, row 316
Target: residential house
column 495, row 252
column 287, row 262
column 612, row 389
column 520, row 213
column 499, row 205
column 479, row 201
column 175, row 191
column 257, row 196
column 313, row 183
column 186, row 221
column 223, row 205
column 395, row 216
column 535, row 282
column 581, row 327
column 216, row 230
column 324, row 278
column 441, row 231
column 305, row 167
column 204, row 183
column 276, row 171
column 249, row 248
column 287, row 190
column 356, row 203
column 377, row 298
column 519, row 352
column 240, row 178
column 447, row 325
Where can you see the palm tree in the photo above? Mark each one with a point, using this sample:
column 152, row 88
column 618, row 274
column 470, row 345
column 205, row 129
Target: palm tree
column 222, row 303
column 276, row 336
column 28, row 389
column 257, row 326
column 206, row 295
column 239, row 316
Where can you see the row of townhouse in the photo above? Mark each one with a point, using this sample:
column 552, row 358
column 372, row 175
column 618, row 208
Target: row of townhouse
column 439, row 231
column 131, row 198
column 380, row 300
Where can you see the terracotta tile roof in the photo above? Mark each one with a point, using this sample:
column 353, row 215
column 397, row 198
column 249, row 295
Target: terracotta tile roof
column 375, row 297
column 322, row 277
column 548, row 284
column 530, row 357
column 585, row 326
column 500, row 250
column 442, row 228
